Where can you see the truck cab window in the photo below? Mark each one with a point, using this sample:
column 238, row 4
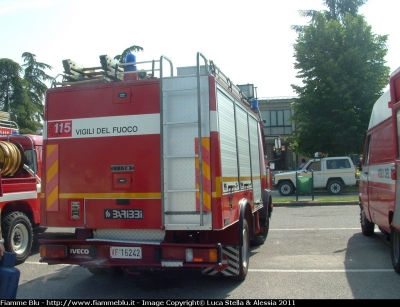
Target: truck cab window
column 30, row 159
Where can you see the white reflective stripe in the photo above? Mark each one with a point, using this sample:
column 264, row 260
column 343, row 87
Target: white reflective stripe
column 214, row 121
column 18, row 196
column 111, row 126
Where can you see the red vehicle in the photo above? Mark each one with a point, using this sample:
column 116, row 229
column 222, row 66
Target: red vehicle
column 20, row 160
column 379, row 182
column 153, row 172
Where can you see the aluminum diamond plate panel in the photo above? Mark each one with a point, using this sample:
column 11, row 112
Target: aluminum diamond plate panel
column 180, row 201
column 129, row 234
column 180, row 110
column 190, row 70
column 187, row 222
column 180, row 140
column 181, row 174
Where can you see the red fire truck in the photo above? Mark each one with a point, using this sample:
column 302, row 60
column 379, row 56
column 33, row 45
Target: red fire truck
column 379, row 177
column 20, row 163
column 153, row 170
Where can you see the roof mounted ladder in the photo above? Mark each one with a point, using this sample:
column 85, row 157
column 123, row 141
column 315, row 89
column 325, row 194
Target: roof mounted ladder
column 108, row 71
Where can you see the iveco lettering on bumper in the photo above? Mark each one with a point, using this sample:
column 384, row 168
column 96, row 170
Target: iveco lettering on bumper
column 123, row 214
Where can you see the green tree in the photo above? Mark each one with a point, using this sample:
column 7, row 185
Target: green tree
column 342, row 67
column 9, row 81
column 35, row 77
column 337, row 9
column 121, row 57
column 14, row 98
column 23, row 111
column 22, row 97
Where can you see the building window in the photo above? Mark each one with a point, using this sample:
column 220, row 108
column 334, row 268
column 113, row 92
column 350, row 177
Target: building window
column 277, row 122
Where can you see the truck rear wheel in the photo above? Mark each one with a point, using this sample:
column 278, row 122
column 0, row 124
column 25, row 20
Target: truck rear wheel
column 244, row 253
column 18, row 235
column 260, row 237
column 286, row 188
column 367, row 227
column 395, row 249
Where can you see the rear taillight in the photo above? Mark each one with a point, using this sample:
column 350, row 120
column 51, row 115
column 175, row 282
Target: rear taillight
column 53, row 251
column 201, row 255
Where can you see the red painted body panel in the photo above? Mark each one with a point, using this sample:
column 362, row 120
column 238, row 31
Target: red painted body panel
column 84, row 166
column 100, row 100
column 150, row 217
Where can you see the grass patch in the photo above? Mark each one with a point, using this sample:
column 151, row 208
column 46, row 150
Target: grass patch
column 353, row 188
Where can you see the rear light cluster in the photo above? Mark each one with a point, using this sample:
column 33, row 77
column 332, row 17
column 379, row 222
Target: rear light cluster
column 53, row 251
column 201, row 255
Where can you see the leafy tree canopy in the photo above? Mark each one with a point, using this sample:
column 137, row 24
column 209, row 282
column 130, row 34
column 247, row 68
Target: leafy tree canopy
column 35, row 77
column 23, row 97
column 342, row 67
column 337, row 9
column 9, row 79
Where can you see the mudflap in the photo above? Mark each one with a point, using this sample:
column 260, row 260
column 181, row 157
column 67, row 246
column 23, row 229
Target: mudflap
column 230, row 263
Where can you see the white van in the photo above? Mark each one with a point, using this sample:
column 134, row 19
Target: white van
column 377, row 186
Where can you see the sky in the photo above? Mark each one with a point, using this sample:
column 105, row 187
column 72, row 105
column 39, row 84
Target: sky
column 249, row 40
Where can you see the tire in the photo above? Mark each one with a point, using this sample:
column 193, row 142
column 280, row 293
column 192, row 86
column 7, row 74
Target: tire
column 260, row 237
column 266, row 211
column 286, row 188
column 395, row 249
column 367, row 227
column 335, row 187
column 18, row 235
column 244, row 253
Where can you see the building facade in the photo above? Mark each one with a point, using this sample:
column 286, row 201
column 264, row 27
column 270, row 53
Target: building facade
column 276, row 113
